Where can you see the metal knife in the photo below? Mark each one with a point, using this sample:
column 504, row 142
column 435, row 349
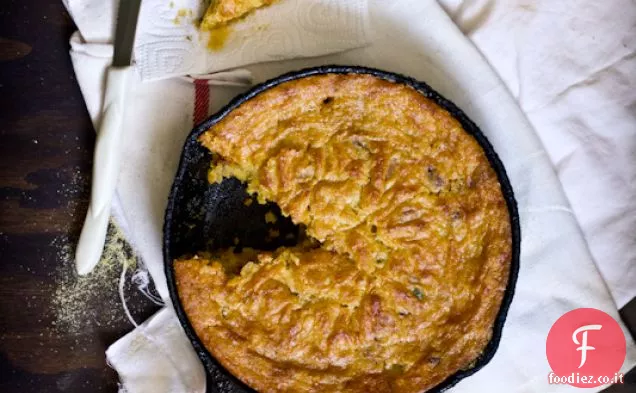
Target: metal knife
column 107, row 157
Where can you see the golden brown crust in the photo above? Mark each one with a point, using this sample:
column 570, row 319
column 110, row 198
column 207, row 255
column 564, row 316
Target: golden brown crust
column 222, row 12
column 415, row 242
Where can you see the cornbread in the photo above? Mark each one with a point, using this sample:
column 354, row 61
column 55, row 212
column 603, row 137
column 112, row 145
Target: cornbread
column 222, row 12
column 411, row 242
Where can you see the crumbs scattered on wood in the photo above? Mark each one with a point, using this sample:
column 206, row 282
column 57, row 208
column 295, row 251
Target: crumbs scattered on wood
column 83, row 303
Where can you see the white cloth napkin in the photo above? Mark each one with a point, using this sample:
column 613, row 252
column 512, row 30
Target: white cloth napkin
column 153, row 358
column 571, row 65
column 417, row 38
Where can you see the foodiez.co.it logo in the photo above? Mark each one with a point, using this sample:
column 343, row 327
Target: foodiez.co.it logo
column 585, row 348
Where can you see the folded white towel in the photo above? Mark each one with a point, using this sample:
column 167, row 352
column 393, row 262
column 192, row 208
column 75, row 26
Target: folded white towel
column 155, row 358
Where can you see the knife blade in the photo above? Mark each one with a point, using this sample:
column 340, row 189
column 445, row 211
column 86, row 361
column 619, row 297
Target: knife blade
column 127, row 17
column 107, row 158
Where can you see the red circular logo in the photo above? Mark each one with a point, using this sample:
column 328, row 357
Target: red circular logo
column 585, row 348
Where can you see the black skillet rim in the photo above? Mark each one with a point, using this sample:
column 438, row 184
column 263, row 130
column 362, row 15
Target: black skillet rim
column 211, row 364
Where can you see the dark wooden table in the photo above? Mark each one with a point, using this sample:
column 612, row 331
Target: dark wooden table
column 55, row 328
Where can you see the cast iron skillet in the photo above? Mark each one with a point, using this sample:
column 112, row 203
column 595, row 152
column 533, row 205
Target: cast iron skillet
column 202, row 216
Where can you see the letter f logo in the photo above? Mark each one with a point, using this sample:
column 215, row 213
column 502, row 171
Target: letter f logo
column 583, row 344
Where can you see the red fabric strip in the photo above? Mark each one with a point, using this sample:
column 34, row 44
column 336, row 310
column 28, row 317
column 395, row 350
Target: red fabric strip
column 201, row 100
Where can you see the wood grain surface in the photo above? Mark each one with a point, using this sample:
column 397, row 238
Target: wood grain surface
column 54, row 327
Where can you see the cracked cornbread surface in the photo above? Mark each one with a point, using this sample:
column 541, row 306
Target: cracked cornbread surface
column 402, row 285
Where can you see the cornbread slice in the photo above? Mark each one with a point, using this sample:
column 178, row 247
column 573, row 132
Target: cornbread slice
column 223, row 12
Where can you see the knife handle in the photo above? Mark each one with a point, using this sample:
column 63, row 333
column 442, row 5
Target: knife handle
column 91, row 242
column 107, row 158
column 106, row 164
